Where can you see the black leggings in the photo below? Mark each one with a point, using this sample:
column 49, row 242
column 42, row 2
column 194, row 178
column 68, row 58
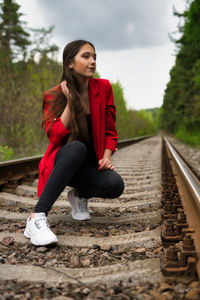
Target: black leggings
column 75, row 166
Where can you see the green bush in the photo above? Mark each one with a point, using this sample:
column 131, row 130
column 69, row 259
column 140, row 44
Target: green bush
column 6, row 153
column 189, row 137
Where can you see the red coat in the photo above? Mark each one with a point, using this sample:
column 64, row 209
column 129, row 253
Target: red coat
column 103, row 116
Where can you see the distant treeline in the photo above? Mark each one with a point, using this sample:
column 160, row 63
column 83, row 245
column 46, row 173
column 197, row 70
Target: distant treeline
column 132, row 123
column 180, row 113
column 28, row 68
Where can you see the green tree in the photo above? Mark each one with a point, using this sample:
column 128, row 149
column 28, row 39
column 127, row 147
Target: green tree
column 41, row 43
column 13, row 38
column 181, row 109
column 121, row 109
column 131, row 123
column 22, row 88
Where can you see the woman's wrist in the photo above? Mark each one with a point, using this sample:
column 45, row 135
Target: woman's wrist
column 107, row 154
column 105, row 162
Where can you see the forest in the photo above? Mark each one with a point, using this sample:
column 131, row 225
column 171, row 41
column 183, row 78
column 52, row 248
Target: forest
column 29, row 60
column 180, row 113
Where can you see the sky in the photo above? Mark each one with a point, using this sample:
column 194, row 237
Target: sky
column 131, row 38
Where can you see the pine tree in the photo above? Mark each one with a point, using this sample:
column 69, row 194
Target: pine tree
column 13, row 38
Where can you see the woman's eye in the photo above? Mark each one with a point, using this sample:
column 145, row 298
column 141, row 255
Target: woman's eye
column 87, row 56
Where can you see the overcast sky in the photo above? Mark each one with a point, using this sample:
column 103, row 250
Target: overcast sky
column 130, row 36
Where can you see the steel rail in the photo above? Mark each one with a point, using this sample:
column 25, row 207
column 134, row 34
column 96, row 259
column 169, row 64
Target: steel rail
column 127, row 142
column 191, row 180
column 120, row 144
column 189, row 191
column 27, row 168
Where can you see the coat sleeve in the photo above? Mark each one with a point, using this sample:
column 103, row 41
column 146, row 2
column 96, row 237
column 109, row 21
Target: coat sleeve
column 111, row 136
column 57, row 133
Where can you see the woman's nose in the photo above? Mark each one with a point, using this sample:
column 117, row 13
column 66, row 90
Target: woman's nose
column 93, row 61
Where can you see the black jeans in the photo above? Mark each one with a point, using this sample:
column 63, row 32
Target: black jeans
column 77, row 166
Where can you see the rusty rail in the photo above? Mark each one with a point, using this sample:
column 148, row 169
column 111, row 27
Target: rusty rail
column 182, row 229
column 26, row 169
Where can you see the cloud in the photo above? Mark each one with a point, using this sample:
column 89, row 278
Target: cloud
column 111, row 25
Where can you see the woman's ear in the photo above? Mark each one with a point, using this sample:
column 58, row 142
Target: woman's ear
column 71, row 65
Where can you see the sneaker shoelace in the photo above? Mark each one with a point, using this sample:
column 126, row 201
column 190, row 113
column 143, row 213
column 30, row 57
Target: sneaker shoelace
column 82, row 204
column 41, row 224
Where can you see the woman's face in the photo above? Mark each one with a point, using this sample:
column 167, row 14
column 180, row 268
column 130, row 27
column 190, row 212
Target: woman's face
column 84, row 62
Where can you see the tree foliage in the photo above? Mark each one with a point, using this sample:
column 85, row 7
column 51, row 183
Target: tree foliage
column 22, row 84
column 13, row 37
column 181, row 107
column 131, row 123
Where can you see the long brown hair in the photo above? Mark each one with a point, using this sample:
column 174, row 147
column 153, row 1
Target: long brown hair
column 78, row 125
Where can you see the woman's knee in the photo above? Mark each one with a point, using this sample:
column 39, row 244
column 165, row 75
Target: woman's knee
column 114, row 185
column 76, row 149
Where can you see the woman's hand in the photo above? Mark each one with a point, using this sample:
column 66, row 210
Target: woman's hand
column 105, row 163
column 65, row 117
column 65, row 89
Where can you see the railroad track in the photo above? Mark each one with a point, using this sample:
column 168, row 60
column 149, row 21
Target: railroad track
column 134, row 247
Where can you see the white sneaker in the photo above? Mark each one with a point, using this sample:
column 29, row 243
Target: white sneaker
column 79, row 206
column 38, row 231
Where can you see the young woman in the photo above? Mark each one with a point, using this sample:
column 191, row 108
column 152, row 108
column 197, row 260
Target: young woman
column 79, row 118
